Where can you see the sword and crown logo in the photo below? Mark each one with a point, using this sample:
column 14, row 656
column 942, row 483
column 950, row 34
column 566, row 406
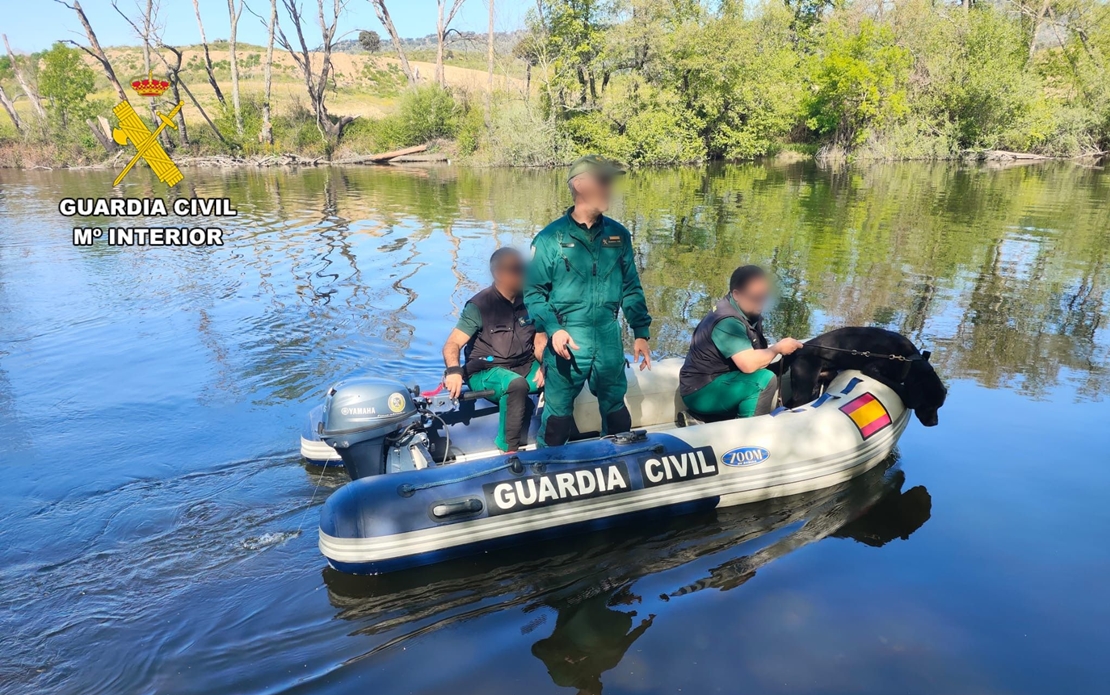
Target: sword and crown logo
column 132, row 129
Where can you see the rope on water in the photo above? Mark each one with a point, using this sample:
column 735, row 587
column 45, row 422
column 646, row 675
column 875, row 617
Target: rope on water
column 311, row 501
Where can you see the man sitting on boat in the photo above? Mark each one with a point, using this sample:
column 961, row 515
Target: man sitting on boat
column 725, row 369
column 501, row 346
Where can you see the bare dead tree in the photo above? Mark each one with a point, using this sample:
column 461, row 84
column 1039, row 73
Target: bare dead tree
column 443, row 24
column 316, row 83
column 189, row 93
column 233, row 14
column 267, row 134
column 387, row 22
column 32, row 95
column 175, row 85
column 146, row 29
column 10, row 108
column 489, row 57
column 94, row 49
column 207, row 56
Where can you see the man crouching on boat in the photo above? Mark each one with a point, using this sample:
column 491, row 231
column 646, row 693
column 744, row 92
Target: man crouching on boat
column 501, row 346
column 725, row 369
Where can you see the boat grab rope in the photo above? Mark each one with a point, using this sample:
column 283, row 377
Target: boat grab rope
column 409, row 489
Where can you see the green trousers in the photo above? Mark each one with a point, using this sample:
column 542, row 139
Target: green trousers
column 510, row 390
column 731, row 393
column 599, row 364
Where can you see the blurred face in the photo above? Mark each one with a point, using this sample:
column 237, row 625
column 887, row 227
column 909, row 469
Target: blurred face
column 753, row 298
column 509, row 275
column 594, row 190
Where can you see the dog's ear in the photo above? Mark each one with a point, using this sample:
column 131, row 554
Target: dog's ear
column 926, row 354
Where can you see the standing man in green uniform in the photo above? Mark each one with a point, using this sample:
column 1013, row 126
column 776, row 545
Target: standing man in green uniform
column 501, row 346
column 725, row 369
column 582, row 274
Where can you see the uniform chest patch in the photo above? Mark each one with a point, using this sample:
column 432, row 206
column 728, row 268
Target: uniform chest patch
column 614, row 240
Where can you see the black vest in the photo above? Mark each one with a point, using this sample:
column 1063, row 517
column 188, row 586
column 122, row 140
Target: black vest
column 705, row 362
column 507, row 336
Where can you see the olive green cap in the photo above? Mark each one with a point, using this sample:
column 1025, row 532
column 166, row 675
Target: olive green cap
column 593, row 164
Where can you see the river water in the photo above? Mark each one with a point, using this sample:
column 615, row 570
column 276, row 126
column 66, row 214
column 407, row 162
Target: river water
column 157, row 527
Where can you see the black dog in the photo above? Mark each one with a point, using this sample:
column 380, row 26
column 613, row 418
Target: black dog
column 914, row 380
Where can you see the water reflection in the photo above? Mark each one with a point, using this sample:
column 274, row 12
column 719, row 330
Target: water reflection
column 590, row 637
column 168, row 387
column 590, row 583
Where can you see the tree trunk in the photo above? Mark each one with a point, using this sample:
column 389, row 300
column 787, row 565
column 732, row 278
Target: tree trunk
column 175, row 82
column 267, row 134
column 489, row 56
column 106, row 142
column 207, row 56
column 94, row 48
column 32, row 96
column 10, row 108
column 440, row 31
column 1037, row 27
column 148, row 29
column 387, row 22
column 234, row 16
column 443, row 23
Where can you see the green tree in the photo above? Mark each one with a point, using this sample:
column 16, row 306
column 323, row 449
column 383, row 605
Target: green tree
column 370, row 41
column 66, row 82
column 858, row 82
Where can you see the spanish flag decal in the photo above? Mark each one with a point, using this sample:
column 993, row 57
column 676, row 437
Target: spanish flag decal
column 868, row 413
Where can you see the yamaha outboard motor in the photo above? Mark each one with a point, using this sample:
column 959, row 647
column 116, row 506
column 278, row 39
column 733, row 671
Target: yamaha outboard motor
column 375, row 426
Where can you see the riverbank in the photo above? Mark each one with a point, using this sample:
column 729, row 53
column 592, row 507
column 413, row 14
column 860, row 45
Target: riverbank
column 447, row 153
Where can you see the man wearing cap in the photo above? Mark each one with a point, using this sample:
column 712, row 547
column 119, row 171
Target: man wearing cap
column 582, row 274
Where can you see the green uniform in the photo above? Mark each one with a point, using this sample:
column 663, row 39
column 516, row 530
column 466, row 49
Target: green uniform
column 732, row 392
column 579, row 280
column 497, row 379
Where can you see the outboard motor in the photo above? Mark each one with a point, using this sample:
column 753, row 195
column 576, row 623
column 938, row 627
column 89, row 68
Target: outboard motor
column 375, row 426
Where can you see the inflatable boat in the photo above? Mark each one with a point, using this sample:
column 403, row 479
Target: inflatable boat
column 416, row 499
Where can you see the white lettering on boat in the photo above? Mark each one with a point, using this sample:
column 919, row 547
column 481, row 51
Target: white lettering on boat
column 678, row 466
column 556, row 487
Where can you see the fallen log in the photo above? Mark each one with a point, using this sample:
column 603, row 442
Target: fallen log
column 383, row 156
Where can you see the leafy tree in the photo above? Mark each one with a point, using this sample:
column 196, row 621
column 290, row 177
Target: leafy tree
column 574, row 37
column 66, row 82
column 370, row 41
column 858, row 81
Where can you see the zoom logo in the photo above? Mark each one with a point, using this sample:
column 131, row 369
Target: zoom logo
column 745, row 456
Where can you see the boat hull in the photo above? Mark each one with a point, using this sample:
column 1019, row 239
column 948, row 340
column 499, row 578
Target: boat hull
column 386, row 523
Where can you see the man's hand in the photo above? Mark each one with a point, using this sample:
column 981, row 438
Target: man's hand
column 454, row 383
column 787, row 346
column 562, row 343
column 539, row 378
column 640, row 349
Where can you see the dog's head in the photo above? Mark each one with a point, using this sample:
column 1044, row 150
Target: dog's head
column 924, row 391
